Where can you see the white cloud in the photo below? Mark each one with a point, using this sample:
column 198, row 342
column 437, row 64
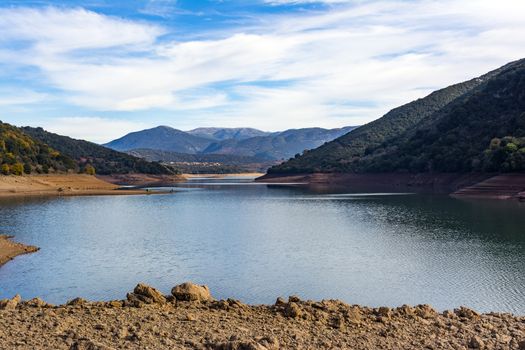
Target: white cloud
column 94, row 129
column 342, row 66
column 20, row 97
column 55, row 31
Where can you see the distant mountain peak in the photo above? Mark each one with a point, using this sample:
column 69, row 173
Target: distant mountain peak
column 246, row 142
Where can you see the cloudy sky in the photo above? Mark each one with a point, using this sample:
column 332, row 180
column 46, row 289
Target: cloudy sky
column 97, row 69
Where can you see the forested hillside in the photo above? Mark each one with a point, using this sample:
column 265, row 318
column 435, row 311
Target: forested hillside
column 478, row 125
column 22, row 154
column 104, row 160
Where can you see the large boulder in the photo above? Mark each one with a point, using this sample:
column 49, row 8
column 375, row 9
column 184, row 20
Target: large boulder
column 10, row 304
column 144, row 294
column 191, row 292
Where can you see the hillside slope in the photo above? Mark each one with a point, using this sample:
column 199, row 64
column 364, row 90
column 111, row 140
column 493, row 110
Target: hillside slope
column 220, row 134
column 161, row 138
column 20, row 153
column 281, row 145
column 448, row 131
column 105, row 161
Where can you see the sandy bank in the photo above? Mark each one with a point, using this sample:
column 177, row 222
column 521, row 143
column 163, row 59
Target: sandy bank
column 10, row 249
column 59, row 185
column 190, row 319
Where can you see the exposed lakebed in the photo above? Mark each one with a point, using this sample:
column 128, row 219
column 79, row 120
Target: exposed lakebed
column 255, row 242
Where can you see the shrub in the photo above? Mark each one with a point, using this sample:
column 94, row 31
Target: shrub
column 89, row 169
column 17, row 169
column 27, row 168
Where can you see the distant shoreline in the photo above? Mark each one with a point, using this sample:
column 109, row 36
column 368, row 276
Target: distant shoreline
column 9, row 249
column 61, row 185
column 220, row 176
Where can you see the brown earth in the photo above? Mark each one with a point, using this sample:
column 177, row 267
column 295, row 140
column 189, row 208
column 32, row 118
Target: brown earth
column 10, row 249
column 506, row 186
column 191, row 319
column 59, row 185
column 438, row 183
column 494, row 186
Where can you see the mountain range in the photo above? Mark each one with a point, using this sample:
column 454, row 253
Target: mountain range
column 243, row 142
column 474, row 126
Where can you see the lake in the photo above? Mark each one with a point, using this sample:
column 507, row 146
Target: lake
column 255, row 242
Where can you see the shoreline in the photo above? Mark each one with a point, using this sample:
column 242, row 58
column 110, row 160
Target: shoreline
column 220, row 176
column 10, row 249
column 472, row 185
column 61, row 185
column 190, row 318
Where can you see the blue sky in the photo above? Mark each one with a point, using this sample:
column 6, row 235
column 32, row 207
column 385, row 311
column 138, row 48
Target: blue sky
column 98, row 69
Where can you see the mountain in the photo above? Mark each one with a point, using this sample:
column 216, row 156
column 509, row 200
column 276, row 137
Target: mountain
column 167, row 156
column 205, row 163
column 20, row 153
column 161, row 138
column 280, row 145
column 478, row 125
column 221, row 134
column 237, row 142
column 105, row 161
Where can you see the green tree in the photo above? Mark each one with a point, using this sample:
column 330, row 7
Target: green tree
column 17, row 169
column 27, row 168
column 89, row 169
column 5, row 169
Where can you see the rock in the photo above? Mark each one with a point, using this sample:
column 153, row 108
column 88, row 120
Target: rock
column 466, row 312
column 86, row 344
column 114, row 303
column 384, row 312
column 151, row 293
column 10, row 304
column 266, row 343
column 476, row 343
column 292, row 310
column 77, row 302
column 294, row 299
column 236, row 303
column 353, row 315
column 36, row 302
column 521, row 345
column 449, row 314
column 425, row 311
column 406, row 310
column 191, row 292
column 280, row 302
column 144, row 294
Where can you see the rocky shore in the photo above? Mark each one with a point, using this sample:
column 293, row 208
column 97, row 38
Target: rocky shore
column 190, row 318
column 9, row 249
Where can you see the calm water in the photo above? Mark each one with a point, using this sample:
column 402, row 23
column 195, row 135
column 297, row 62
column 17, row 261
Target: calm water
column 257, row 242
